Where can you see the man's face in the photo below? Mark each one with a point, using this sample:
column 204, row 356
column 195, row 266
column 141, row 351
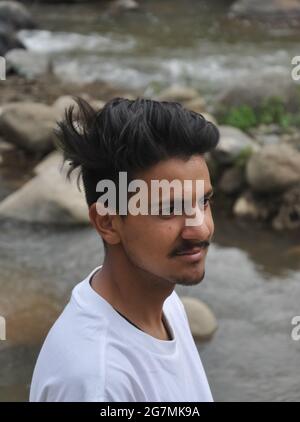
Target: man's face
column 165, row 246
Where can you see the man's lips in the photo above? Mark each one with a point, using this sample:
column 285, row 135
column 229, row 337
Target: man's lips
column 191, row 255
column 192, row 251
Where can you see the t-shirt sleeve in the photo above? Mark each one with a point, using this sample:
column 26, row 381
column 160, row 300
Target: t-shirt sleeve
column 121, row 386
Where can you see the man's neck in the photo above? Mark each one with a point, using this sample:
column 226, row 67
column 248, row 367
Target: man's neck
column 134, row 293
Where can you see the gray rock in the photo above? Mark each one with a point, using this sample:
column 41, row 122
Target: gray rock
column 288, row 216
column 274, row 168
column 8, row 39
column 16, row 15
column 198, row 105
column 232, row 181
column 232, row 144
column 119, row 6
column 178, row 93
column 47, row 198
column 62, row 103
column 246, row 207
column 28, row 125
column 265, row 9
column 27, row 63
column 256, row 91
column 257, row 207
column 201, row 319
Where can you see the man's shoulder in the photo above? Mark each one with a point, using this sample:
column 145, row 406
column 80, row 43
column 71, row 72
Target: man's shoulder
column 69, row 363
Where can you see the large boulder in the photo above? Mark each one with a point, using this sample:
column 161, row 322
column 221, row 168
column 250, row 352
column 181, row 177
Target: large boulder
column 233, row 145
column 259, row 92
column 8, row 39
column 288, row 216
column 62, row 103
column 274, row 168
column 232, row 180
column 178, row 93
column 256, row 207
column 201, row 319
column 28, row 320
column 265, row 9
column 47, row 198
column 27, row 63
column 28, row 125
column 65, row 101
column 16, row 15
column 197, row 104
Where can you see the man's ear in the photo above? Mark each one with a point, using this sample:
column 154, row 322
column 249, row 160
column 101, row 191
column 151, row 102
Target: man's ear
column 105, row 225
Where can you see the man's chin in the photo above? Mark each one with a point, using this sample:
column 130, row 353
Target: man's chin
column 189, row 281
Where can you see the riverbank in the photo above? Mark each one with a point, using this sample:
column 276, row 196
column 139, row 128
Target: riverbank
column 256, row 170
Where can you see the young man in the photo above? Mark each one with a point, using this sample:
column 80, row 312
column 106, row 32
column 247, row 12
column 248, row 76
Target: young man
column 124, row 335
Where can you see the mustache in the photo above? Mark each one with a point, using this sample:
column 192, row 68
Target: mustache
column 187, row 246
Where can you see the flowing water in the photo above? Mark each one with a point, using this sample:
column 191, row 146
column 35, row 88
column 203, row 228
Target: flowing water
column 186, row 42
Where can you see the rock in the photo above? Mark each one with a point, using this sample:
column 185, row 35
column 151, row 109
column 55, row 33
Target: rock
column 294, row 251
column 5, row 146
column 289, row 213
column 257, row 208
column 97, row 104
column 245, row 207
column 178, row 93
column 65, row 101
column 5, row 149
column 118, row 6
column 62, row 103
column 27, row 63
column 265, row 9
column 209, row 117
column 16, row 15
column 232, row 145
column 8, row 40
column 196, row 104
column 53, row 160
column 28, row 125
column 28, row 320
column 232, row 180
column 266, row 134
column 257, row 91
column 293, row 139
column 47, row 198
column 274, row 168
column 202, row 321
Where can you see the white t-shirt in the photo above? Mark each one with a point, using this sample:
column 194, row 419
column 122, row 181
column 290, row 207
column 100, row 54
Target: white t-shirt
column 94, row 354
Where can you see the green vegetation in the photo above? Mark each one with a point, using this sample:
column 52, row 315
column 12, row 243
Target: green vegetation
column 272, row 110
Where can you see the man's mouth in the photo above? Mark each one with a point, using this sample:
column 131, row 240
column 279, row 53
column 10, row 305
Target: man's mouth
column 191, row 251
column 191, row 255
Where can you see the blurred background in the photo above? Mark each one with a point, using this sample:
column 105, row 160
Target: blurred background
column 230, row 60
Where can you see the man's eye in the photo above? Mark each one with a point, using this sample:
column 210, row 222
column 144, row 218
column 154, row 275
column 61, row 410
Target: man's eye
column 175, row 208
column 206, row 201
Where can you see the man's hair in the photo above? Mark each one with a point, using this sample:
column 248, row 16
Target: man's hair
column 129, row 135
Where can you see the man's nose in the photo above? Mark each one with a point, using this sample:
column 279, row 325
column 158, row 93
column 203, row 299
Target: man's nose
column 200, row 226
